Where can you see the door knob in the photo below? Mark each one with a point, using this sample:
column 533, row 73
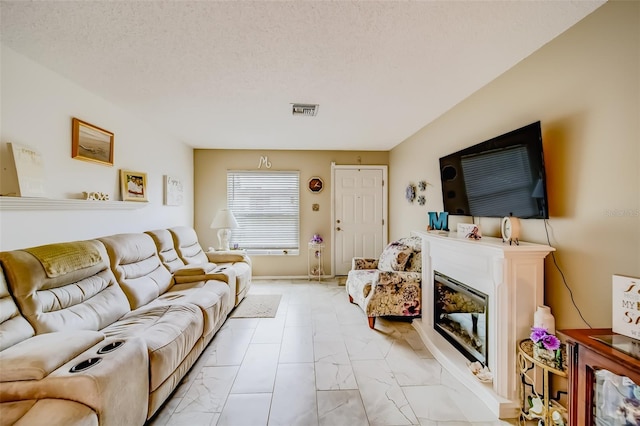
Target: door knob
column 338, row 221
column 338, row 229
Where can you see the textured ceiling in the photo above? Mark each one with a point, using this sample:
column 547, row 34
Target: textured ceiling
column 223, row 74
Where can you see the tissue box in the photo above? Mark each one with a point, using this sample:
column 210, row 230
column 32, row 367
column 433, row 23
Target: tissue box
column 626, row 306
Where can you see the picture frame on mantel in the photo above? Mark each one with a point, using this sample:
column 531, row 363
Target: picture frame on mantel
column 133, row 186
column 29, row 167
column 91, row 143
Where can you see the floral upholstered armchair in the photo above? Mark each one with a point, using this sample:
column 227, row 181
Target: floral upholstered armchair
column 390, row 285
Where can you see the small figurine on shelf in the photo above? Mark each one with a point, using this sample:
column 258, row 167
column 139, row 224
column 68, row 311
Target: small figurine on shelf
column 316, row 239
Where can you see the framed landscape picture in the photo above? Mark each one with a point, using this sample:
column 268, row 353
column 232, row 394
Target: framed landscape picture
column 133, row 185
column 91, row 143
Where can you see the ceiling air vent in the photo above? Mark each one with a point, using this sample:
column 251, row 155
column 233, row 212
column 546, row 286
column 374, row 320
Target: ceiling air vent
column 309, row 110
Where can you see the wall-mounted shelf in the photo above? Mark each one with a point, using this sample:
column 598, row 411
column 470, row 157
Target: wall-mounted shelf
column 26, row 203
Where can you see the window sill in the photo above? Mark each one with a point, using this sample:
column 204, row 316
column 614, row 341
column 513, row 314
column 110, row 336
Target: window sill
column 281, row 252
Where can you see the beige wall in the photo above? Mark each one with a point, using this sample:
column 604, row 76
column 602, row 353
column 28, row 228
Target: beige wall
column 584, row 87
column 210, row 174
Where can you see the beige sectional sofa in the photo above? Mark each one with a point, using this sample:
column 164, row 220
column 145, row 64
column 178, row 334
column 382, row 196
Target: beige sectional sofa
column 127, row 307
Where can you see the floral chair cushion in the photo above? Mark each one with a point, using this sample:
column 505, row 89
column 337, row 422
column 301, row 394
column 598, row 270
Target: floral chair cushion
column 394, row 257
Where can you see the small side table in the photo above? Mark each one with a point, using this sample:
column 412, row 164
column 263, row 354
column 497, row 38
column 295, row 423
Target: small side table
column 530, row 369
column 315, row 261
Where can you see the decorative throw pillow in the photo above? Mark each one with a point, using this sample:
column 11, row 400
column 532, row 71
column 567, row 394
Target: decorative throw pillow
column 414, row 264
column 413, row 241
column 394, row 257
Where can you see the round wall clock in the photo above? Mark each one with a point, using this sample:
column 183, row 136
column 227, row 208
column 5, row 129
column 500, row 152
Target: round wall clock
column 315, row 184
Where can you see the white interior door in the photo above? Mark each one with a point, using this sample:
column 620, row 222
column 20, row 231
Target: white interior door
column 359, row 214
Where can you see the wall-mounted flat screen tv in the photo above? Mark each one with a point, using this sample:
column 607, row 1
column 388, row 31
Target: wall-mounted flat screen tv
column 502, row 176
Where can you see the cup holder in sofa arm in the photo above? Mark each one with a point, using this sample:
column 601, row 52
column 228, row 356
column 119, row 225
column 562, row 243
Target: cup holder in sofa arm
column 87, row 363
column 110, row 347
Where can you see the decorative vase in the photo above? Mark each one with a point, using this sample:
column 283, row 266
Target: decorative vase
column 543, row 318
column 548, row 357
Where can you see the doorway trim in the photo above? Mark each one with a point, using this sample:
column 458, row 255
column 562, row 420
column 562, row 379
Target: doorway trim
column 385, row 204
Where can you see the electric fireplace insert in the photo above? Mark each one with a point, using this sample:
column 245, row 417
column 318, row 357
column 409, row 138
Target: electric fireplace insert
column 460, row 316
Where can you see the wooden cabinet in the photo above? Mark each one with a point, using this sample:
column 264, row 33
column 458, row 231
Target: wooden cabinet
column 587, row 355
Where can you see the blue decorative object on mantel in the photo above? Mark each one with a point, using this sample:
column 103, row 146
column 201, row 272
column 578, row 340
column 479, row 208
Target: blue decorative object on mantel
column 438, row 221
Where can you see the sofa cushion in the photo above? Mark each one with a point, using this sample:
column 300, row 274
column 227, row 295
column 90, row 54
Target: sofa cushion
column 137, row 267
column 13, row 327
column 185, row 240
column 166, row 250
column 170, row 332
column 394, row 257
column 211, row 296
column 85, row 299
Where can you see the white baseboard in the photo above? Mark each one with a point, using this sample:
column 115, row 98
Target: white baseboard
column 291, row 277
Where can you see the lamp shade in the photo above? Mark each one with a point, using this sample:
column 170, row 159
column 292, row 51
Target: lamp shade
column 224, row 220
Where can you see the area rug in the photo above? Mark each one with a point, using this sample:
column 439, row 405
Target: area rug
column 257, row 306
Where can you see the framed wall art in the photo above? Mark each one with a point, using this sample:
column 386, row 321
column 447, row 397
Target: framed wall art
column 91, row 143
column 133, row 185
column 173, row 191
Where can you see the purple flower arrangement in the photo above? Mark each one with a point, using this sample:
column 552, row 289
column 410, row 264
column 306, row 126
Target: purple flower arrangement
column 542, row 338
column 316, row 239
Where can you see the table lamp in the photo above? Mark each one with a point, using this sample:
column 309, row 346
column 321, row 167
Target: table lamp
column 224, row 222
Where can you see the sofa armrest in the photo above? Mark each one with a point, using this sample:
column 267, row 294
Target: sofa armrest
column 116, row 387
column 203, row 269
column 193, row 273
column 40, row 355
column 208, row 271
column 359, row 263
column 227, row 256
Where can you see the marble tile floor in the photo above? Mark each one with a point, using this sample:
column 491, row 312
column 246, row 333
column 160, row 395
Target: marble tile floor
column 318, row 363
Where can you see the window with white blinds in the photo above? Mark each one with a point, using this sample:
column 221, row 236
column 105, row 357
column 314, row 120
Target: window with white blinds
column 266, row 205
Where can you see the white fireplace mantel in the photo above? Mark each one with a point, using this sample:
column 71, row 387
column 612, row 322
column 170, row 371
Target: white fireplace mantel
column 513, row 278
